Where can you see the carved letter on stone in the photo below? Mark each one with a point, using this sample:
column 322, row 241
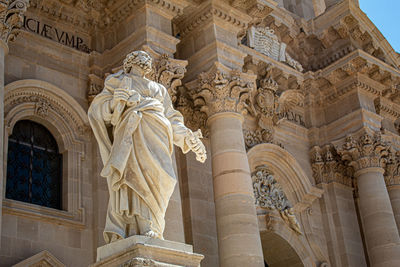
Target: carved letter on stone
column 269, row 195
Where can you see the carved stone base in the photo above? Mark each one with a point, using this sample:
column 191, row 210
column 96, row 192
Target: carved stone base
column 145, row 251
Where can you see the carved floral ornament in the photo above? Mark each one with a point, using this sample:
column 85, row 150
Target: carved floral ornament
column 222, row 90
column 269, row 195
column 11, row 18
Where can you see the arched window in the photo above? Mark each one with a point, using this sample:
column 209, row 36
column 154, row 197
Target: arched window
column 33, row 166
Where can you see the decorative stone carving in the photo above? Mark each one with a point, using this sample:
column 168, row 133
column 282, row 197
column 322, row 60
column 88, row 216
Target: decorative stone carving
column 222, row 90
column 258, row 136
column 265, row 41
column 42, row 108
column 167, row 71
column 269, row 195
column 11, row 18
column 194, row 118
column 270, row 108
column 137, row 158
column 364, row 152
column 392, row 170
column 95, row 86
column 328, row 167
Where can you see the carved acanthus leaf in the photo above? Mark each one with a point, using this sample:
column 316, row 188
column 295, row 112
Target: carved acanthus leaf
column 268, row 194
column 328, row 167
column 365, row 151
column 222, row 90
column 11, row 18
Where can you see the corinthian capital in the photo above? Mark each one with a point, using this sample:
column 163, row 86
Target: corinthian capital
column 11, row 18
column 222, row 90
column 364, row 152
column 167, row 71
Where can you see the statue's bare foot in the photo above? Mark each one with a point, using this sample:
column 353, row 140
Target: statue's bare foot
column 151, row 234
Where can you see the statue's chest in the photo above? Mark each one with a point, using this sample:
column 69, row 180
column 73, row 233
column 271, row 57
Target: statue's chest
column 146, row 88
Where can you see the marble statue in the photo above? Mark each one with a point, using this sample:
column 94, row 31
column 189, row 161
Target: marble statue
column 136, row 127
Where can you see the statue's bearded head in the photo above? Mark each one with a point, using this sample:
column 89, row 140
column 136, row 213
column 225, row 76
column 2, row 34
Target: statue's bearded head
column 139, row 60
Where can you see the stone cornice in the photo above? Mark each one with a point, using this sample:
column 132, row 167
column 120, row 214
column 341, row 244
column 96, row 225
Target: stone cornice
column 213, row 12
column 347, row 20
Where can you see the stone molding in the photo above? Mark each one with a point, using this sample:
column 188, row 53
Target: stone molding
column 90, row 14
column 222, row 90
column 366, row 151
column 212, row 11
column 42, row 259
column 11, row 18
column 328, row 167
column 67, row 121
column 269, row 195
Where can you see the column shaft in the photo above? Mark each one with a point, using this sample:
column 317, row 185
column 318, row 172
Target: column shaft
column 380, row 230
column 394, row 195
column 238, row 233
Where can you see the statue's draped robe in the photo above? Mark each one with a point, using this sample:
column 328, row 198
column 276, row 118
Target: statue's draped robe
column 137, row 152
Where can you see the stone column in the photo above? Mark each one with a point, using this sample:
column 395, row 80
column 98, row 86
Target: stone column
column 11, row 17
column 367, row 156
column 392, row 179
column 221, row 93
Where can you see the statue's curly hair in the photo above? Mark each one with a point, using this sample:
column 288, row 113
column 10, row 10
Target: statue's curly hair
column 138, row 58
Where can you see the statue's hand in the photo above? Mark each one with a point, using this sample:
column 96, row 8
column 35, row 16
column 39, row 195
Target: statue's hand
column 195, row 144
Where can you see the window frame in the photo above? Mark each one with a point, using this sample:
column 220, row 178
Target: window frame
column 66, row 120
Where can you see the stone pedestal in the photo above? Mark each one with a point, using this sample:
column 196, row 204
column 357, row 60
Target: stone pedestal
column 146, row 251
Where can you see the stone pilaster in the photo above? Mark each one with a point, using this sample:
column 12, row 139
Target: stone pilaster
column 368, row 156
column 223, row 95
column 337, row 207
column 11, row 19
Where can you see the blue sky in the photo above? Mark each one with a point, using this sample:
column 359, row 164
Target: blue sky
column 385, row 15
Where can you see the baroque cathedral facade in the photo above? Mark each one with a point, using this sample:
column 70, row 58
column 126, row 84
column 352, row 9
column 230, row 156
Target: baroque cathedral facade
column 298, row 102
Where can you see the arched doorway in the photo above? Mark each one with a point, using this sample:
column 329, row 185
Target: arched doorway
column 278, row 252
